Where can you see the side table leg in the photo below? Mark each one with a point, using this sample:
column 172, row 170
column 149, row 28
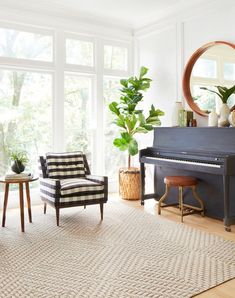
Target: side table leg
column 21, row 205
column 28, row 201
column 5, row 204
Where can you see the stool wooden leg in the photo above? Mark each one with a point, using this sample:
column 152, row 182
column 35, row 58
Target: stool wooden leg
column 198, row 199
column 181, row 203
column 162, row 199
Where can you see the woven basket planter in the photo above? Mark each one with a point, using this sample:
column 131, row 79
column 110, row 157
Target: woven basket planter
column 129, row 183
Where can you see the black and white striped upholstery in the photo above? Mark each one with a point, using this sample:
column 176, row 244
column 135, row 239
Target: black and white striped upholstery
column 65, row 181
column 65, row 165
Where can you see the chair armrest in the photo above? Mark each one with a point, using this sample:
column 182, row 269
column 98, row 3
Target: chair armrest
column 98, row 179
column 50, row 188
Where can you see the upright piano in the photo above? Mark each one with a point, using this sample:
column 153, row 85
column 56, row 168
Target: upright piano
column 207, row 153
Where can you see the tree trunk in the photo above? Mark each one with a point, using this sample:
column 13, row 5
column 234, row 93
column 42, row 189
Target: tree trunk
column 129, row 161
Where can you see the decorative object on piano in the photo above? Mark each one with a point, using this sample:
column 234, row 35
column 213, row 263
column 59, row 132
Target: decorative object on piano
column 213, row 119
column 175, row 113
column 201, row 66
column 131, row 120
column 185, row 118
column 19, row 159
column 231, row 118
column 223, row 116
column 224, row 93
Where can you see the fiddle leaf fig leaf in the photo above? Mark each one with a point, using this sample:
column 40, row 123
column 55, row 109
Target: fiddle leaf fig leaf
column 143, row 71
column 140, row 129
column 121, row 144
column 114, row 108
column 133, row 147
column 124, row 83
column 120, row 121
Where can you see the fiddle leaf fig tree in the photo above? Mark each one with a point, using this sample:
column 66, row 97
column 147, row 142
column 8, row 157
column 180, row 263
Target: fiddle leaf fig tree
column 129, row 118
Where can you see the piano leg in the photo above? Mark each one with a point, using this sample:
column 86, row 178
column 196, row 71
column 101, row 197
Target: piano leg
column 227, row 226
column 142, row 177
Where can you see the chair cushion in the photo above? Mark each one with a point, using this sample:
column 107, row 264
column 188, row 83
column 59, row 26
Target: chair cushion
column 65, row 165
column 80, row 190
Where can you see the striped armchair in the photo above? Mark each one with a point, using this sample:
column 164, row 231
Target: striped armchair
column 65, row 181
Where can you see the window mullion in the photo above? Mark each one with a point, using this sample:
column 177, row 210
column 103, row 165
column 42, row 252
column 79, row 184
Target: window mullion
column 58, row 106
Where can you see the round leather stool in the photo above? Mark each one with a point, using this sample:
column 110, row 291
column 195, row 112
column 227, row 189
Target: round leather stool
column 181, row 182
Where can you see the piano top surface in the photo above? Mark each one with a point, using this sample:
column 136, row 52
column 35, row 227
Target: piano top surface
column 200, row 140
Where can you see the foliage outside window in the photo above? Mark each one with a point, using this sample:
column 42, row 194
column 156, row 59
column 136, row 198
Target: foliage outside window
column 77, row 108
column 79, row 52
column 25, row 109
column 115, row 58
column 25, row 45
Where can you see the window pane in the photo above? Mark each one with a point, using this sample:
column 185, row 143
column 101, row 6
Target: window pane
column 115, row 58
column 77, row 113
column 229, row 71
column 205, row 68
column 111, row 93
column 25, row 45
column 26, row 116
column 79, row 52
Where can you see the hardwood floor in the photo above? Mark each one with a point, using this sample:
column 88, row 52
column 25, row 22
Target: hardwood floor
column 226, row 290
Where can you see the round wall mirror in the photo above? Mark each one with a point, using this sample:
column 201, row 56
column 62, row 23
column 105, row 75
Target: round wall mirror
column 211, row 65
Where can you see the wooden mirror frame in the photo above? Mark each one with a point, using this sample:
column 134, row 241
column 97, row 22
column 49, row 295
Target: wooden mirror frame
column 188, row 70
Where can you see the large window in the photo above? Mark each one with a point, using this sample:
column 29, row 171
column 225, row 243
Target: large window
column 54, row 95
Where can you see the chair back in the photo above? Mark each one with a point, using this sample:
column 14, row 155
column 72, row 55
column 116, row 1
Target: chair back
column 64, row 165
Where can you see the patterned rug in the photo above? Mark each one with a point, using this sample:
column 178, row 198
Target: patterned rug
column 129, row 254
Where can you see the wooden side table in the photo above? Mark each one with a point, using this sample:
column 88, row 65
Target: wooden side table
column 20, row 182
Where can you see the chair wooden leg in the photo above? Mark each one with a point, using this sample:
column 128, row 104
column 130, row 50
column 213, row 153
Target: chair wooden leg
column 181, row 203
column 101, row 210
column 84, row 206
column 45, row 208
column 162, row 199
column 57, row 210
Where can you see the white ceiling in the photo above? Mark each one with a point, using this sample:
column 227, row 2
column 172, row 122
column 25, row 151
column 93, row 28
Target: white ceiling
column 132, row 14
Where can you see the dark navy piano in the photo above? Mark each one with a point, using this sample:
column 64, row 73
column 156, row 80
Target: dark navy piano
column 207, row 153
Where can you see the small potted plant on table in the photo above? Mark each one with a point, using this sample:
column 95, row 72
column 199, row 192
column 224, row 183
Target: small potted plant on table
column 19, row 159
column 131, row 121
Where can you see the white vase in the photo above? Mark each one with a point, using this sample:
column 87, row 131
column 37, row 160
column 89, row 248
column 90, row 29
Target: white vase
column 223, row 116
column 231, row 118
column 175, row 113
column 213, row 119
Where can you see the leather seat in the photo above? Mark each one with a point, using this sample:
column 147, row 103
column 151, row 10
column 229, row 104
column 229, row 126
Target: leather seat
column 180, row 181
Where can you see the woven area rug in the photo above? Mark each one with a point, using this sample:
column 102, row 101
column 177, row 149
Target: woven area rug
column 129, row 254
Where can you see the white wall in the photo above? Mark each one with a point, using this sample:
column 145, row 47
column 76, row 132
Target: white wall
column 166, row 47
